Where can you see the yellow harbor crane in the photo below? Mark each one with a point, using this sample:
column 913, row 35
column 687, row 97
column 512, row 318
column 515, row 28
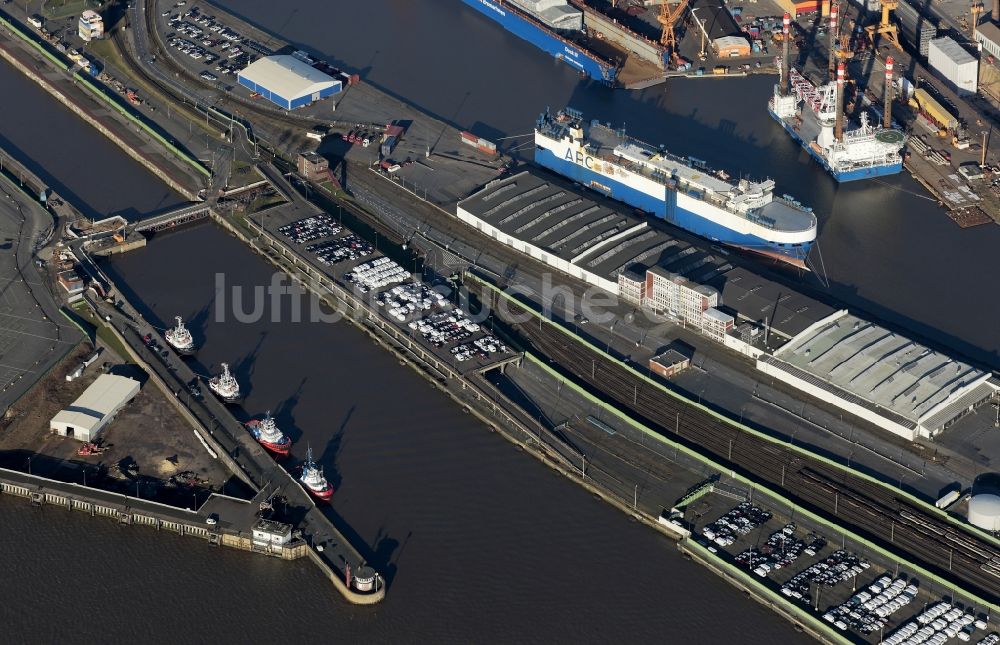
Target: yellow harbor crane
column 668, row 18
column 885, row 28
column 976, row 10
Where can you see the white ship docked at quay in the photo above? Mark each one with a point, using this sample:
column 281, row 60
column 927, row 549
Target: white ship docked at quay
column 747, row 214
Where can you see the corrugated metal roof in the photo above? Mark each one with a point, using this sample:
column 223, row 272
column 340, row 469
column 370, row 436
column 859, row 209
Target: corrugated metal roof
column 287, row 76
column 988, row 31
column 103, row 397
column 955, row 52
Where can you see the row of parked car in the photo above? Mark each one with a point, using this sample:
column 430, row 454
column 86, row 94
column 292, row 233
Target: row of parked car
column 310, row 228
column 781, row 550
column 938, row 624
column 481, row 348
column 739, row 521
column 347, row 248
column 228, row 41
column 408, row 298
column 868, row 611
column 377, row 273
column 445, row 328
column 837, row 567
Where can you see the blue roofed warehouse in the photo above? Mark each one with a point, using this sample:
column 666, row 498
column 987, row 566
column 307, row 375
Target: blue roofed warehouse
column 287, row 81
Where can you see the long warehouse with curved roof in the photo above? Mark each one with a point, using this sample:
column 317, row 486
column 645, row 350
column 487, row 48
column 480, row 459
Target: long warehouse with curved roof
column 880, row 375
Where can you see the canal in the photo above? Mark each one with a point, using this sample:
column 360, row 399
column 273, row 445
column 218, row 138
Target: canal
column 76, row 160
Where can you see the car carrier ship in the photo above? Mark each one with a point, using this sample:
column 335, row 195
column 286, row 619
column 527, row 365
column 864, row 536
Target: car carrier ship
column 546, row 25
column 684, row 192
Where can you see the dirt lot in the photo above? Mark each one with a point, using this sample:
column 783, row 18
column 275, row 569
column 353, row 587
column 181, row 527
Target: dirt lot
column 148, row 445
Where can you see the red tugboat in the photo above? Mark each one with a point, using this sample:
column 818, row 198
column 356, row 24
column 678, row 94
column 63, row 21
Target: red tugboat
column 313, row 480
column 267, row 434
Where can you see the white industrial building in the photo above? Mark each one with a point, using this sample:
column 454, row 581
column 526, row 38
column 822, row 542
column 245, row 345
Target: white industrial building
column 287, row 81
column 957, row 66
column 95, row 408
column 988, row 37
column 270, row 535
column 883, row 377
column 862, row 368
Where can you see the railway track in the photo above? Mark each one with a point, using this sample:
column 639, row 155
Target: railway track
column 870, row 509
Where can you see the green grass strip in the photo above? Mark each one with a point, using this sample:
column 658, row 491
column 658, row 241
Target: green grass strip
column 16, row 28
column 194, row 163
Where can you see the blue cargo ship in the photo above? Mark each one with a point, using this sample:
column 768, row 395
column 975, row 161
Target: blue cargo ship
column 527, row 28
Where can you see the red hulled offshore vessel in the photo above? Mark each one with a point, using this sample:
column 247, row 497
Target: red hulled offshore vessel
column 267, row 434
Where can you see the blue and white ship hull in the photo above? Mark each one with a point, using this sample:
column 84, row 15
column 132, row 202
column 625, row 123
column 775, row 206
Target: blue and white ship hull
column 746, row 215
column 545, row 39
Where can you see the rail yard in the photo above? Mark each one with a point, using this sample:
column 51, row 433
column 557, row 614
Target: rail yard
column 947, row 549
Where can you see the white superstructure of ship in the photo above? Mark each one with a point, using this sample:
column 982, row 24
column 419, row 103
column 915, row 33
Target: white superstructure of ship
column 313, row 478
column 744, row 214
column 179, row 337
column 225, row 385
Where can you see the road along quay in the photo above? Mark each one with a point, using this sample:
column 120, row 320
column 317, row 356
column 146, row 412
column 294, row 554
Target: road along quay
column 87, row 98
column 736, row 485
column 894, row 521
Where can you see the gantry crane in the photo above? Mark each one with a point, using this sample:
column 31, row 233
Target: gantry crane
column 885, row 28
column 668, row 18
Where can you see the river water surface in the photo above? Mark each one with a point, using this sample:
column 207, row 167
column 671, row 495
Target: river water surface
column 480, row 543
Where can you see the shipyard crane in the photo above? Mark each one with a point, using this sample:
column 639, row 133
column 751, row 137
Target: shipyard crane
column 976, row 10
column 885, row 27
column 668, row 18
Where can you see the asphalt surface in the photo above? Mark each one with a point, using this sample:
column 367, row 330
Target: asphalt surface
column 34, row 336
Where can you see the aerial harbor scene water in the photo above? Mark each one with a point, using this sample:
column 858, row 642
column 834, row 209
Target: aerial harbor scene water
column 501, row 320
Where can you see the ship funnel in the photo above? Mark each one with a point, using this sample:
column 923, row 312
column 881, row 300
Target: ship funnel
column 887, row 111
column 786, row 31
column 838, row 130
column 834, row 39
